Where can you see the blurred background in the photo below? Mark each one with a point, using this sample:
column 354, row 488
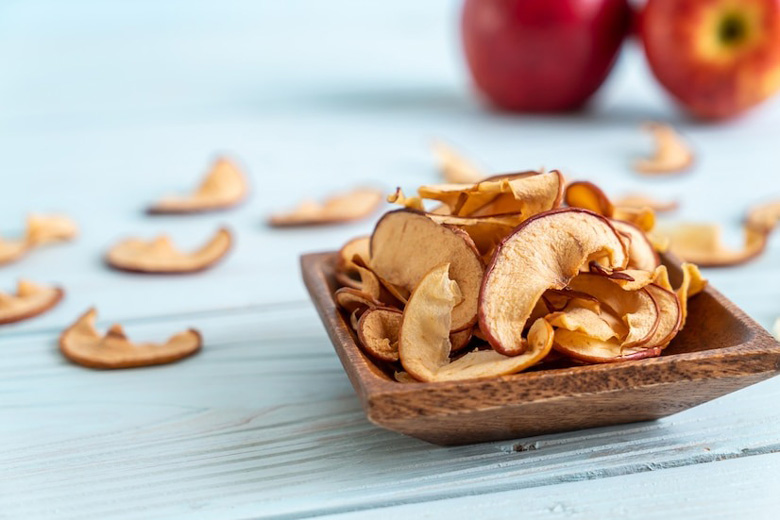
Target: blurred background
column 106, row 105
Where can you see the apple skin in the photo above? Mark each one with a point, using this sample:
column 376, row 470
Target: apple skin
column 717, row 58
column 542, row 55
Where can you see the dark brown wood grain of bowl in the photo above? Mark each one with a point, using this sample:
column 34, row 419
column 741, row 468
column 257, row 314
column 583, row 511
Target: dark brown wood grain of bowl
column 720, row 350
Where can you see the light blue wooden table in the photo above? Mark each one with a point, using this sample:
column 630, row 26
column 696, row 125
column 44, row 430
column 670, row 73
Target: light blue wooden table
column 106, row 105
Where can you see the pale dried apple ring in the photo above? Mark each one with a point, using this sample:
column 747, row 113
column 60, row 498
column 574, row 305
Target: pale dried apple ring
column 424, row 343
column 528, row 194
column 544, row 252
column 83, row 344
column 454, row 166
column 406, row 245
column 638, row 309
column 587, row 321
column 641, row 253
column 357, row 246
column 224, row 186
column 701, row 244
column 29, row 301
column 582, row 347
column 486, row 232
column 378, row 330
column 672, row 154
column 159, row 256
column 354, row 205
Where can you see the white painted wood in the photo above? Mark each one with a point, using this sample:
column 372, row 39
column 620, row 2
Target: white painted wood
column 105, row 106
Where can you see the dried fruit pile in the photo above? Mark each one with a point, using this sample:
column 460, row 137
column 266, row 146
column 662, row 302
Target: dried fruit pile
column 501, row 276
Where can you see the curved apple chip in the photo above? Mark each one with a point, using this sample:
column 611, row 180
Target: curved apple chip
column 45, row 229
column 160, row 256
column 672, row 153
column 692, row 284
column 355, row 301
column 424, row 342
column 641, row 253
column 764, row 217
column 454, row 166
column 406, row 245
column 378, row 330
column 582, row 347
column 354, row 205
column 29, row 301
column 224, row 186
column 639, row 201
column 399, row 198
column 701, row 244
column 83, row 344
column 544, row 252
column 582, row 319
column 586, row 195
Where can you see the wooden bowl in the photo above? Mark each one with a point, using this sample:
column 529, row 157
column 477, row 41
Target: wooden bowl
column 720, row 350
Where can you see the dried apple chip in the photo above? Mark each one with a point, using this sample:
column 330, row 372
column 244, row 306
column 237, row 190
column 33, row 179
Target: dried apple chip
column 672, row 153
column 701, row 244
column 424, row 342
column 83, row 344
column 224, row 186
column 586, row 195
column 356, row 247
column 355, row 301
column 160, row 256
column 406, row 245
column 12, row 250
column 641, row 253
column 764, row 217
column 399, row 198
column 45, row 229
column 544, row 252
column 692, row 284
column 378, row 330
column 454, row 166
column 29, row 301
column 582, row 347
column 582, row 319
column 354, row 205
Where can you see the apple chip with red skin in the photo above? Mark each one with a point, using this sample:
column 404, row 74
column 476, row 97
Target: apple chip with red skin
column 224, row 186
column 672, row 154
column 84, row 345
column 424, row 342
column 29, row 301
column 406, row 245
column 159, row 256
column 701, row 244
column 545, row 252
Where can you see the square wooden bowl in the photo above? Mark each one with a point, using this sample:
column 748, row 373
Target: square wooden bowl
column 720, row 350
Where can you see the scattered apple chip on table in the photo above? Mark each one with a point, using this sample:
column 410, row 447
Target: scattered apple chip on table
column 160, row 256
column 40, row 230
column 224, row 186
column 354, row 205
column 454, row 166
column 84, row 345
column 764, row 217
column 30, row 300
column 700, row 243
column 672, row 154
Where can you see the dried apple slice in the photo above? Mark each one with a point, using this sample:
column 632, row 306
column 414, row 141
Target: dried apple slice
column 160, row 256
column 701, row 244
column 582, row 319
column 672, row 153
column 406, row 245
column 399, row 198
column 670, row 311
column 224, row 186
column 586, row 195
column 29, row 301
column 485, row 232
column 378, row 330
column 83, row 344
column 12, row 250
column 424, row 342
column 764, row 217
column 45, row 229
column 356, row 247
column 454, row 166
column 639, row 201
column 354, row 205
column 544, row 252
column 638, row 309
column 582, row 347
column 641, row 253
column 692, row 284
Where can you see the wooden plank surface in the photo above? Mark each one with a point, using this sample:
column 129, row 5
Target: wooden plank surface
column 105, row 106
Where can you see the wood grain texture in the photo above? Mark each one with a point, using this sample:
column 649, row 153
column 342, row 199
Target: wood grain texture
column 720, row 350
column 263, row 423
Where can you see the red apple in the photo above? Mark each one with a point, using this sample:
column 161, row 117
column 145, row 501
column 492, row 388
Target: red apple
column 716, row 57
column 542, row 55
